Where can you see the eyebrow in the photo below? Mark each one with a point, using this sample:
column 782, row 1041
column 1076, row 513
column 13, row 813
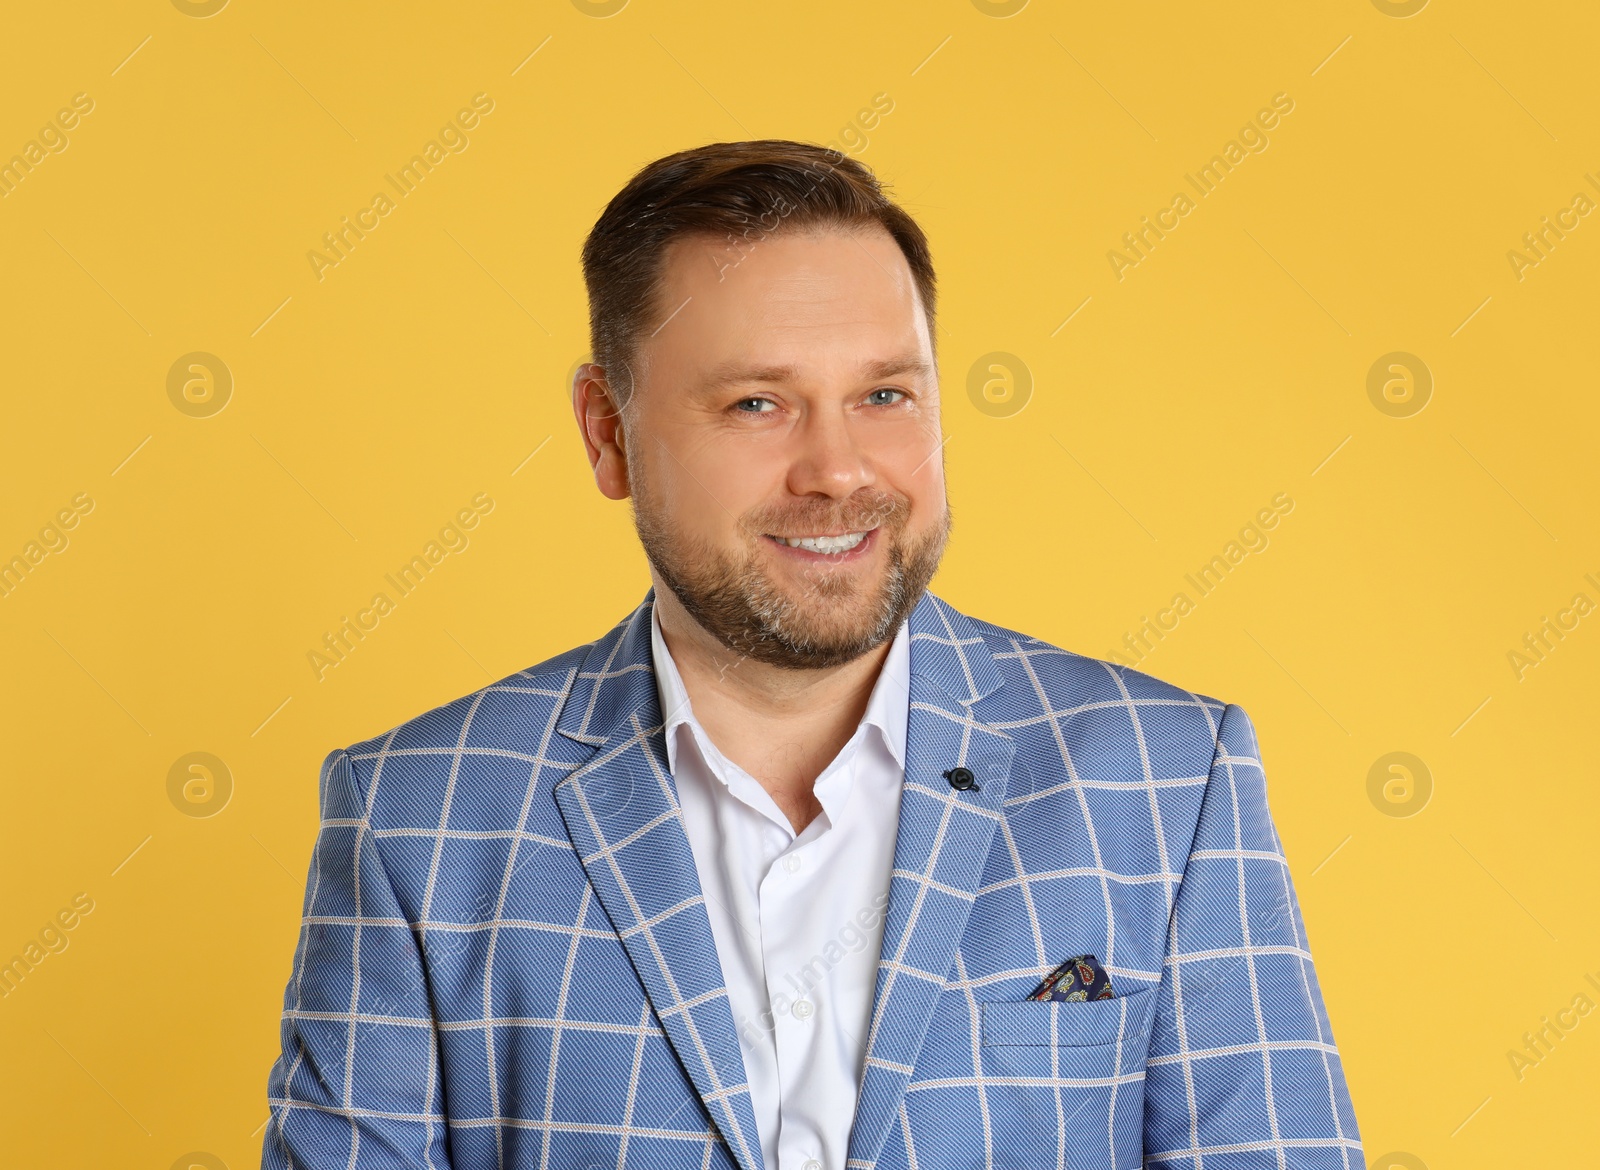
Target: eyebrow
column 735, row 374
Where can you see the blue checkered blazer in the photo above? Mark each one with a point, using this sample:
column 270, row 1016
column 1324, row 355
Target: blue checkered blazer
column 505, row 958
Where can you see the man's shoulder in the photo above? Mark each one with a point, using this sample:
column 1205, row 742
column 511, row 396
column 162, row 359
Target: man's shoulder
column 512, row 713
column 1041, row 674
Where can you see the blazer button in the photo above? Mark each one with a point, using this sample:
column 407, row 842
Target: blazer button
column 962, row 779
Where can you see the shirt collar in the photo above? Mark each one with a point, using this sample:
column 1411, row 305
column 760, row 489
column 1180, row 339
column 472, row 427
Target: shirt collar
column 886, row 708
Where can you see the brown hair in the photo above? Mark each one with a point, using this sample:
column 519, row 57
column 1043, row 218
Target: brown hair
column 745, row 191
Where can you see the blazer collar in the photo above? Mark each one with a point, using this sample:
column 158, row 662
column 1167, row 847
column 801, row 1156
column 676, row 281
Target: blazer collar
column 621, row 811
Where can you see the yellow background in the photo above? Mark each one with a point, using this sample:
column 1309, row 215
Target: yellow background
column 372, row 404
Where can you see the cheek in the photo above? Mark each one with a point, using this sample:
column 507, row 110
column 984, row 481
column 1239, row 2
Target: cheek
column 912, row 462
column 707, row 483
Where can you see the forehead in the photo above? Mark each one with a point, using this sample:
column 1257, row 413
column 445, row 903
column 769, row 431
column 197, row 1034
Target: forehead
column 797, row 296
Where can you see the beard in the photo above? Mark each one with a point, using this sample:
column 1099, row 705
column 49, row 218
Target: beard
column 834, row 616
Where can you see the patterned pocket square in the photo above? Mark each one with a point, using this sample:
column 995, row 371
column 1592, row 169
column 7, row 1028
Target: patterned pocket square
column 1079, row 978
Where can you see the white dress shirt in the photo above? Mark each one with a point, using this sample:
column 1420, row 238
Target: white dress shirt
column 797, row 920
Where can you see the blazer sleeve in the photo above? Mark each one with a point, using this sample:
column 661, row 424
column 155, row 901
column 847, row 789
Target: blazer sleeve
column 1242, row 1060
column 356, row 1085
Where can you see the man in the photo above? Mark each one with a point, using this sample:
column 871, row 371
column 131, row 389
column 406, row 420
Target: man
column 797, row 867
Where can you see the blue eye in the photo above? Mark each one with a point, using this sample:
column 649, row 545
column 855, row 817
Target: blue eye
column 752, row 405
column 876, row 397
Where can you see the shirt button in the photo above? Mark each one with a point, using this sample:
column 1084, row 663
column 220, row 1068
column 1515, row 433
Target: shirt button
column 811, row 1164
column 802, row 1009
column 792, row 863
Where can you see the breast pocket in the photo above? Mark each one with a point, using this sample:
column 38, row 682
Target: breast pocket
column 1065, row 1081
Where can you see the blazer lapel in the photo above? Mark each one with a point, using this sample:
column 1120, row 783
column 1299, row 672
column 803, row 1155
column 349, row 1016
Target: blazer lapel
column 621, row 811
column 942, row 844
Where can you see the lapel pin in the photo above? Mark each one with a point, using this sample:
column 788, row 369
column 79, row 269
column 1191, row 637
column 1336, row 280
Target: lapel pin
column 962, row 780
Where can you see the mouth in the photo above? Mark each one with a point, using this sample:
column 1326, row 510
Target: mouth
column 834, row 545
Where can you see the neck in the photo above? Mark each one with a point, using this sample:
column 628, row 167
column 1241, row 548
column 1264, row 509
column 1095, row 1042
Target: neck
column 781, row 726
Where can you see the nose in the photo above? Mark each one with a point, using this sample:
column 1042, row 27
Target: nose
column 829, row 459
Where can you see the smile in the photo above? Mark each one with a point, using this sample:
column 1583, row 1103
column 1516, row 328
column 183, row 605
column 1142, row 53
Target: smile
column 842, row 543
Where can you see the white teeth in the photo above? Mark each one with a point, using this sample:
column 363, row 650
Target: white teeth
column 825, row 544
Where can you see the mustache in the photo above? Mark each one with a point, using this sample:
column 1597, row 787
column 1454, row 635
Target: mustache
column 865, row 509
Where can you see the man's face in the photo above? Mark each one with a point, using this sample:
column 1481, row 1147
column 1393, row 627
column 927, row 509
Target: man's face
column 783, row 445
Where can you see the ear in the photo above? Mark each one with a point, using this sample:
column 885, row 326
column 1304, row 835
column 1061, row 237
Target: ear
column 600, row 422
